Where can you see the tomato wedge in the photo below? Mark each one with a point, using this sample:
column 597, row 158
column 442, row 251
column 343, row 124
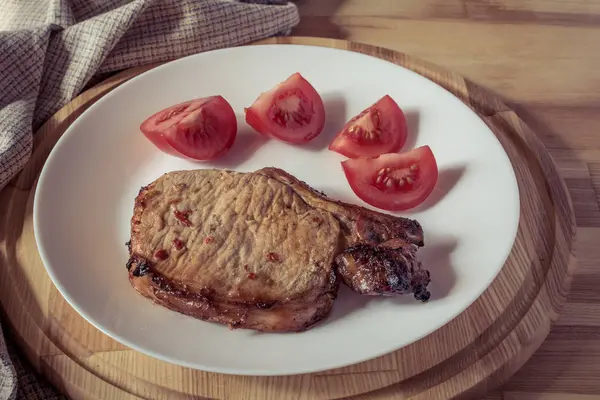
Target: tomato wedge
column 292, row 111
column 379, row 129
column 200, row 129
column 393, row 182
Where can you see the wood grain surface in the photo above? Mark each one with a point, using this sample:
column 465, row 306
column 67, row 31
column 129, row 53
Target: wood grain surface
column 477, row 351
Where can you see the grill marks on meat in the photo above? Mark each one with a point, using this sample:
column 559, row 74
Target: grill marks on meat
column 271, row 262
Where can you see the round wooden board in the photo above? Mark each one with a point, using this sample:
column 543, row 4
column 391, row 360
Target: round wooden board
column 475, row 352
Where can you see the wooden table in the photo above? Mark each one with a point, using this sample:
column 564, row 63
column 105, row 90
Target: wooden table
column 543, row 57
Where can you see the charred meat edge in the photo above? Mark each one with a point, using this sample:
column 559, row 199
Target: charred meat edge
column 165, row 291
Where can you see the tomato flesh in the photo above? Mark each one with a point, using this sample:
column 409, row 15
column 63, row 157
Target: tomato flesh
column 379, row 129
column 200, row 129
column 393, row 182
column 292, row 111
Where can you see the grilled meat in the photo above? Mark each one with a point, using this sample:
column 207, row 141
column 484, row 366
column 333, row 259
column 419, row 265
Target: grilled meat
column 258, row 250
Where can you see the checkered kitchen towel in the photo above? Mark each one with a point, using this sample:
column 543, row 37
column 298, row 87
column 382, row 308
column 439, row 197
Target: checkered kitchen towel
column 51, row 49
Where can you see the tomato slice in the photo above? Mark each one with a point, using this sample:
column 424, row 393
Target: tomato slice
column 292, row 111
column 393, row 182
column 379, row 129
column 200, row 129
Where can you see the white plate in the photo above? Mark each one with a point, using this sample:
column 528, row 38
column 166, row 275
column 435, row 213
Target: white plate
column 84, row 203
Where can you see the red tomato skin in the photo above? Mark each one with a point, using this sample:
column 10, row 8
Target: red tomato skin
column 394, row 121
column 228, row 114
column 168, row 140
column 361, row 173
column 257, row 114
column 155, row 135
column 159, row 141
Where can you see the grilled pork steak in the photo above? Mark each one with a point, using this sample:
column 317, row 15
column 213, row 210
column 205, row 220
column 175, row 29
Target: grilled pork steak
column 259, row 250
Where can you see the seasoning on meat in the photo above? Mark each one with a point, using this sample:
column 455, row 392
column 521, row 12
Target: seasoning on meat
column 182, row 217
column 273, row 257
column 178, row 244
column 161, row 254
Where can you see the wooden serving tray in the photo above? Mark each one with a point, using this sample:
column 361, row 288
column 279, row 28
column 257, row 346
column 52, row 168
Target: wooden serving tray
column 475, row 352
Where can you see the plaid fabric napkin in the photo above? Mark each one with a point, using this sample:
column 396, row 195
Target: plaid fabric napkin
column 51, row 49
